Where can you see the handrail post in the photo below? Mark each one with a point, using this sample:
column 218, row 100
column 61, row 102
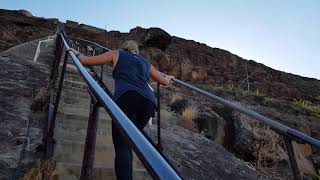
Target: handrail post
column 50, row 141
column 293, row 163
column 89, row 149
column 158, row 122
column 101, row 72
column 58, row 52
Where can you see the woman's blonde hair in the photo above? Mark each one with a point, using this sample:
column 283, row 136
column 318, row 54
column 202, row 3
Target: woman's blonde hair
column 130, row 46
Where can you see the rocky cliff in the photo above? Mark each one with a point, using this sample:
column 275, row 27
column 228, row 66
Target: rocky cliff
column 21, row 26
column 186, row 59
column 20, row 127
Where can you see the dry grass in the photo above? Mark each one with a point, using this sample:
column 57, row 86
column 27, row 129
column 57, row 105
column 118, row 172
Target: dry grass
column 268, row 153
column 316, row 175
column 39, row 101
column 307, row 105
column 176, row 97
column 241, row 91
column 188, row 116
column 43, row 170
column 166, row 115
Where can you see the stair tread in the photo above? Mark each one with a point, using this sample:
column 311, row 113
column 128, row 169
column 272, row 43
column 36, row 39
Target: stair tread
column 73, row 170
column 72, row 151
column 80, row 136
column 82, row 112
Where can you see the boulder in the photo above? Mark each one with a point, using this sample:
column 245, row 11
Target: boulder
column 25, row 13
column 53, row 20
column 157, row 37
column 179, row 105
column 71, row 24
column 211, row 125
column 91, row 29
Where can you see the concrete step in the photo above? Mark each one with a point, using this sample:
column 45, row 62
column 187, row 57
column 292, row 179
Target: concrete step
column 68, row 92
column 78, row 132
column 72, row 152
column 73, row 171
column 67, row 121
column 76, row 84
column 81, row 110
column 82, row 104
column 70, row 100
column 73, row 77
column 75, row 89
column 101, row 137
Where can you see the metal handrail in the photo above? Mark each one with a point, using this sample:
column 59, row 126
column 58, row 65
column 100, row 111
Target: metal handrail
column 157, row 166
column 272, row 123
column 96, row 44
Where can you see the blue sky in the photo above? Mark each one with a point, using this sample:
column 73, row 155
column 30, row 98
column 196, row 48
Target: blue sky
column 282, row 34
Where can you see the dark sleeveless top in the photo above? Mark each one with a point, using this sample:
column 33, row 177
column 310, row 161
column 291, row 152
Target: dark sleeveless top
column 132, row 73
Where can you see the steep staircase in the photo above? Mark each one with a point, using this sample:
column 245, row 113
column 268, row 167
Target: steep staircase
column 70, row 132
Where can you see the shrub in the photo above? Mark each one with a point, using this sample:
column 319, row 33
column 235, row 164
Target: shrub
column 188, row 116
column 307, row 105
column 233, row 88
column 44, row 170
column 178, row 103
column 267, row 152
column 176, row 97
column 241, row 91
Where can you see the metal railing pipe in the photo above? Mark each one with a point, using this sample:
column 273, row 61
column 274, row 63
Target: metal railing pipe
column 91, row 42
column 272, row 123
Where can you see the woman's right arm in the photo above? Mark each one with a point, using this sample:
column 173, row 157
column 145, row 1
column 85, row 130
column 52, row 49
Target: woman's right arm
column 155, row 75
column 106, row 58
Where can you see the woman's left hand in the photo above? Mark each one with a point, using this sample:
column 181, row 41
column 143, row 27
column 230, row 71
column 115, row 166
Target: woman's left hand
column 73, row 50
column 169, row 77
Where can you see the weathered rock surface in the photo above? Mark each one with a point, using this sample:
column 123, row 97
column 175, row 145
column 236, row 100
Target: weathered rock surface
column 20, row 26
column 246, row 137
column 197, row 157
column 25, row 13
column 21, row 79
column 186, row 59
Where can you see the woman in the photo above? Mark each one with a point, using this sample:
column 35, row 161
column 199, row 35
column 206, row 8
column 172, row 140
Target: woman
column 131, row 73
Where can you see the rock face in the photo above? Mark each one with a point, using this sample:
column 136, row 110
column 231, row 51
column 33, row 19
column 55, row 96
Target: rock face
column 25, row 13
column 21, row 79
column 71, row 24
column 246, row 137
column 186, row 59
column 196, row 157
column 90, row 28
column 20, row 26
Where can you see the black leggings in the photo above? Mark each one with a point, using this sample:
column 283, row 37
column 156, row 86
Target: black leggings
column 139, row 110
